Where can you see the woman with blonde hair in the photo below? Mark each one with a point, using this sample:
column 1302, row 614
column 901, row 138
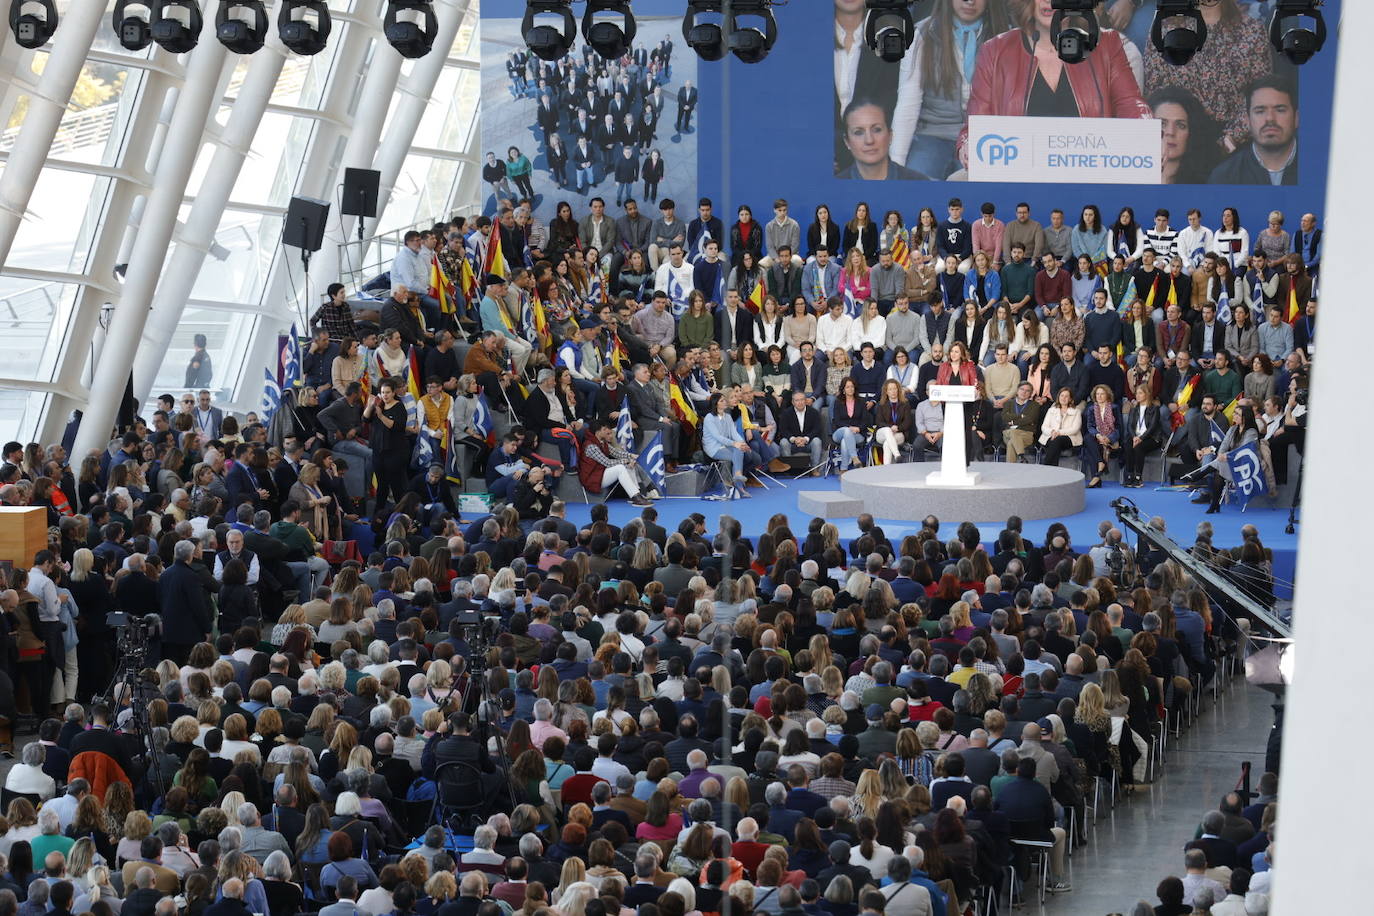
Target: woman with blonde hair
column 868, row 795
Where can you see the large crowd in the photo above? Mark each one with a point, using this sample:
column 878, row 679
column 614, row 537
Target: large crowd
column 347, row 696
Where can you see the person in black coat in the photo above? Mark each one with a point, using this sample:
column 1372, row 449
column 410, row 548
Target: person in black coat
column 652, row 173
column 180, row 588
column 532, row 498
column 686, row 104
column 1030, row 809
column 847, row 417
column 799, row 427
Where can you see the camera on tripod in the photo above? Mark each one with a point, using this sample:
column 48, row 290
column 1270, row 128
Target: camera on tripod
column 479, row 630
column 132, row 635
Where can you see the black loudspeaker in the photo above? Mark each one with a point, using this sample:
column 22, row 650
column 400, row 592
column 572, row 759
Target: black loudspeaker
column 360, row 189
column 305, row 220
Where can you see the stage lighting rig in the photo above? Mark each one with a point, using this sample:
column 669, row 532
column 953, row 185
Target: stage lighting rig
column 176, row 24
column 889, row 28
column 411, row 26
column 298, row 31
column 547, row 41
column 32, row 30
column 706, row 38
column 1291, row 36
column 751, row 44
column 609, row 38
column 241, row 35
column 1077, row 40
column 1178, row 31
column 134, row 30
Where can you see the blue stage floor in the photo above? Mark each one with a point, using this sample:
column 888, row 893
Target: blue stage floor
column 1181, row 518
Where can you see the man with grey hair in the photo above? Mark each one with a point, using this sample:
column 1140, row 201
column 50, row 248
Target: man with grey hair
column 483, row 851
column 905, row 898
column 65, row 805
column 257, row 841
column 1195, row 879
column 180, row 587
column 543, row 727
column 176, row 853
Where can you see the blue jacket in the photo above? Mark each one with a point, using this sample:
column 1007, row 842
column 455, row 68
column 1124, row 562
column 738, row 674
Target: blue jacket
column 1090, row 418
column 817, row 377
column 719, row 433
column 992, row 287
column 830, row 280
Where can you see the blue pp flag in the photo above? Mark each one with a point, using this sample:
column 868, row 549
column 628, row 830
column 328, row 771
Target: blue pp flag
column 290, row 361
column 1247, row 472
column 1224, row 306
column 624, row 429
column 271, row 395
column 677, row 295
column 481, row 418
column 424, row 452
column 651, row 460
column 852, row 306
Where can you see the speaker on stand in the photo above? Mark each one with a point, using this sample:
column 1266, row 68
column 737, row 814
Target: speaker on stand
column 304, row 229
column 360, row 190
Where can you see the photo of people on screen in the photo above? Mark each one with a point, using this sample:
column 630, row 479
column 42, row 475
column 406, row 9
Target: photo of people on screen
column 995, row 57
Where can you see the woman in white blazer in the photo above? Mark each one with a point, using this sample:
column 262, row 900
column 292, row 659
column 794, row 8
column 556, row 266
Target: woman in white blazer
column 1062, row 428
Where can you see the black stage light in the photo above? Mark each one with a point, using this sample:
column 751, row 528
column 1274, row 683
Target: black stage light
column 241, row 35
column 411, row 26
column 889, row 28
column 134, row 30
column 547, row 41
column 176, row 24
column 706, row 38
column 1077, row 40
column 304, row 25
column 32, row 30
column 1291, row 36
column 751, row 44
column 1178, row 31
column 609, row 38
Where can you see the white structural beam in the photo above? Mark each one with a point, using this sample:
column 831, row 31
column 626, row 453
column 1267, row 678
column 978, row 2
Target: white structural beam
column 47, row 104
column 186, row 130
column 232, row 145
column 415, row 93
column 1321, row 839
column 84, row 339
column 374, row 102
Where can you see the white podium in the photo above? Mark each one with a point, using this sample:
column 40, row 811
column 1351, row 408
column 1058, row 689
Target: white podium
column 954, row 470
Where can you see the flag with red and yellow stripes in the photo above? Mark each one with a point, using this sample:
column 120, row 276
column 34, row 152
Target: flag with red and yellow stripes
column 754, row 302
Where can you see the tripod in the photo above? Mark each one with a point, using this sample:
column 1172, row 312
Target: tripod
column 132, row 650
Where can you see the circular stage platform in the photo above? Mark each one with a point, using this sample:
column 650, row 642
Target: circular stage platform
column 900, row 492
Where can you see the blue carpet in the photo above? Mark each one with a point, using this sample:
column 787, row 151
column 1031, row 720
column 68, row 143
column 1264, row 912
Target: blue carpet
column 1181, row 518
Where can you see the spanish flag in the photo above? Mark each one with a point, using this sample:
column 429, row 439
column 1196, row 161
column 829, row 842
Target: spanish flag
column 1230, row 409
column 440, row 287
column 495, row 260
column 413, row 384
column 1172, row 298
column 541, row 325
column 1184, row 397
column 469, row 281
column 1293, row 310
column 901, row 254
column 682, row 407
column 755, row 301
column 620, row 357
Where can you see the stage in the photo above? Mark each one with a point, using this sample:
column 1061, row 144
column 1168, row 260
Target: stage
column 900, row 491
column 1181, row 516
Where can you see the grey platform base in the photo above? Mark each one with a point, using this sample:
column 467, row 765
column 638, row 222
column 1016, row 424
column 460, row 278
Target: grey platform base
column 900, row 492
column 828, row 504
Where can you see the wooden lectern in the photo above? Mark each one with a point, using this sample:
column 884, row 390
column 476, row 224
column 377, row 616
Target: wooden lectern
column 23, row 532
column 954, row 470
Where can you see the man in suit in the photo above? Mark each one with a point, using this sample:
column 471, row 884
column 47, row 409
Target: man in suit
column 652, row 530
column 207, row 419
column 179, row 587
column 346, row 904
column 1020, row 423
column 734, row 325
column 582, row 125
column 648, row 416
column 288, row 470
column 808, row 378
column 784, row 277
column 1029, row 808
column 799, row 427
column 1221, row 853
column 547, row 117
column 1202, row 434
column 686, row 104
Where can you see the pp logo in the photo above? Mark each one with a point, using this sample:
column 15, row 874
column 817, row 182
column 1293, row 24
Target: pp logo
column 995, row 150
column 1246, row 471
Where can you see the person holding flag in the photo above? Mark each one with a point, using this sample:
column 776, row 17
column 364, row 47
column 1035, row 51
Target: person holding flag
column 675, row 277
column 1241, row 436
column 1295, row 287
column 495, row 317
column 648, row 412
column 606, row 463
column 471, row 423
column 703, row 229
column 580, row 355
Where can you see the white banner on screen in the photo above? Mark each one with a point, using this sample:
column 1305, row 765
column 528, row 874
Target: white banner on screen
column 1064, row 150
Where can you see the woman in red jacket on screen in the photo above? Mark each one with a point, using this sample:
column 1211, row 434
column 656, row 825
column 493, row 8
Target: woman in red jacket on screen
column 1020, row 73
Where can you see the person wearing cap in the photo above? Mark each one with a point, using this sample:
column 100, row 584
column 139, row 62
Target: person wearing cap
column 878, row 738
column 494, row 318
column 579, row 354
column 548, row 413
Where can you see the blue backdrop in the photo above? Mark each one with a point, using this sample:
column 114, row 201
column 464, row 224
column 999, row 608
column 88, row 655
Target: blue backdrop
column 779, row 141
